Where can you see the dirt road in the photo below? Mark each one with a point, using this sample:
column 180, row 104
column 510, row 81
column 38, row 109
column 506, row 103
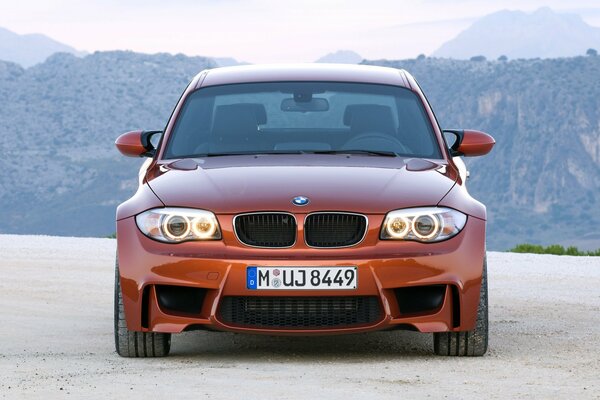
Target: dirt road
column 56, row 340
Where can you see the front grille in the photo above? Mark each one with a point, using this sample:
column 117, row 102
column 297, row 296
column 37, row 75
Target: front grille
column 266, row 229
column 334, row 229
column 299, row 312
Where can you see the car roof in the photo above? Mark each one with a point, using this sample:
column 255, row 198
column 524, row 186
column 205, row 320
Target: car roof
column 303, row 72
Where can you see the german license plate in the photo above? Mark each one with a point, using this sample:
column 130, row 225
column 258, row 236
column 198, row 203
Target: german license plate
column 299, row 278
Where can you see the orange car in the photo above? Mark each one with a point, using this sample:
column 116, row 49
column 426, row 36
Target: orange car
column 302, row 200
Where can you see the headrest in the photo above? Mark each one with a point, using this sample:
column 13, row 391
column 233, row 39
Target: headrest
column 259, row 111
column 235, row 120
column 369, row 118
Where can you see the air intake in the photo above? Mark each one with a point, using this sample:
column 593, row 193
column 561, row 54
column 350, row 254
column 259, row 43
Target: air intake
column 300, row 312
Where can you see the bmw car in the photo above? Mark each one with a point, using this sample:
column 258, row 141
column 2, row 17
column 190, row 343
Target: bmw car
column 302, row 200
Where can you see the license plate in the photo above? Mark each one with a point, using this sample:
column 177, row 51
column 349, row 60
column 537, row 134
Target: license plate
column 299, row 278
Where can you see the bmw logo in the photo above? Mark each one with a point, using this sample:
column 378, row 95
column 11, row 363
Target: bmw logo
column 300, row 200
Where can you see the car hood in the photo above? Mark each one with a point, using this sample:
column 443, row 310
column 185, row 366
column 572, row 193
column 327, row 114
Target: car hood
column 365, row 184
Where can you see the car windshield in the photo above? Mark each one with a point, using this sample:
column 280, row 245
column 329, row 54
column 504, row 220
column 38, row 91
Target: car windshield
column 302, row 117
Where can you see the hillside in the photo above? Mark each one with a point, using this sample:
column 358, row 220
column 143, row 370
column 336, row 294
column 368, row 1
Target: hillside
column 29, row 49
column 517, row 34
column 62, row 174
column 541, row 182
column 61, row 171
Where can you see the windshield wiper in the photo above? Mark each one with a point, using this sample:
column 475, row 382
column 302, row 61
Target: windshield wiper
column 243, row 153
column 368, row 152
column 382, row 153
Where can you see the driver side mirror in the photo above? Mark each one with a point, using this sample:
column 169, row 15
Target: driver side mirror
column 468, row 143
column 138, row 143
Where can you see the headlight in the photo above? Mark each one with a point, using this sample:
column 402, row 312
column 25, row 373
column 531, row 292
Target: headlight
column 426, row 224
column 175, row 225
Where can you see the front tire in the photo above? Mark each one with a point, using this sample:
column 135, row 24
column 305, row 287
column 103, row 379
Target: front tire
column 470, row 343
column 132, row 343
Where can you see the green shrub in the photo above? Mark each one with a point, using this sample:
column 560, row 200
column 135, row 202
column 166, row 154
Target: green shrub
column 528, row 248
column 572, row 251
column 555, row 249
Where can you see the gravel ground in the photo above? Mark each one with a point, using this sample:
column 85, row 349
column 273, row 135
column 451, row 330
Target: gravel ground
column 56, row 340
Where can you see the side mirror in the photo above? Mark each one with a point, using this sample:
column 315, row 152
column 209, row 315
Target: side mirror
column 138, row 143
column 468, row 143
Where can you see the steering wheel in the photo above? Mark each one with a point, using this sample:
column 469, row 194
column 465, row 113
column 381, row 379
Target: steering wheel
column 365, row 141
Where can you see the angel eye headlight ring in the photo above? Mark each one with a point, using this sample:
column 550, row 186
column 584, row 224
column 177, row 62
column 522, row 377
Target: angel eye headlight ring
column 176, row 225
column 422, row 224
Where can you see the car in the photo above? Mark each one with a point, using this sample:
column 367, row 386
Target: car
column 302, row 200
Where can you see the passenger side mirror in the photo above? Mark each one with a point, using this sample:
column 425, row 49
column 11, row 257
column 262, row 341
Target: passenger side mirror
column 468, row 143
column 138, row 143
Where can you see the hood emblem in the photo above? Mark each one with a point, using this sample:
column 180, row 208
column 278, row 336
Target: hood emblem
column 300, row 200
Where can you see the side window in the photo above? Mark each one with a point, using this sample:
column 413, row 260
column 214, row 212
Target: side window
column 192, row 126
column 413, row 122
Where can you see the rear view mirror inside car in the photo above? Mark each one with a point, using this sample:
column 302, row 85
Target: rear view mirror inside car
column 295, row 104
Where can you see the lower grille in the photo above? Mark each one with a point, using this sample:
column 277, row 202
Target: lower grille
column 334, row 229
column 299, row 312
column 266, row 229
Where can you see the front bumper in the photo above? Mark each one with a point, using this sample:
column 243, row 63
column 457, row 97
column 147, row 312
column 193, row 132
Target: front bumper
column 219, row 268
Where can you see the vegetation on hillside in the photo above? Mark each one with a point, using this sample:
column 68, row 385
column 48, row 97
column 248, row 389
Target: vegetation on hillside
column 541, row 181
column 555, row 249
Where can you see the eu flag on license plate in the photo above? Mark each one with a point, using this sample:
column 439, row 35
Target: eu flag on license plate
column 251, row 278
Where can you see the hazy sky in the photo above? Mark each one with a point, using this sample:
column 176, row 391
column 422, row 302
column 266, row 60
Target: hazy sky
column 264, row 30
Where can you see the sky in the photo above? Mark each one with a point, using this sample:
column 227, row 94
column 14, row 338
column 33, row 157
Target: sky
column 260, row 31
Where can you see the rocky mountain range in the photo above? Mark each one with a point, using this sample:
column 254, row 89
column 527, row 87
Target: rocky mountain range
column 62, row 175
column 541, row 182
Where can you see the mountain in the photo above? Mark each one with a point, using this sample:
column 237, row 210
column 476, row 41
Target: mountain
column 227, row 61
column 30, row 49
column 61, row 173
column 516, row 34
column 341, row 57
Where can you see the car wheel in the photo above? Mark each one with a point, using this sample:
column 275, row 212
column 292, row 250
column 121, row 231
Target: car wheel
column 470, row 343
column 132, row 343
